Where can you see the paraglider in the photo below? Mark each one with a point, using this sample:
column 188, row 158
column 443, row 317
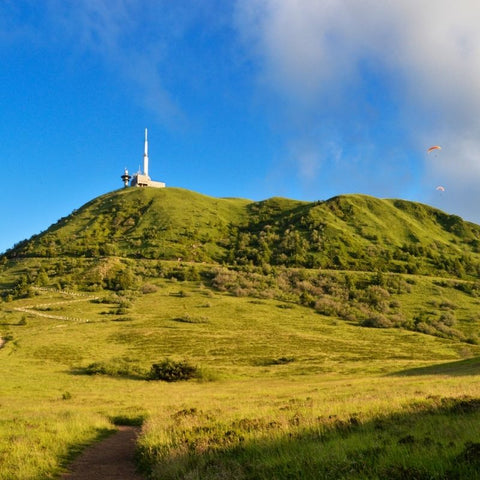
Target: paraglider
column 435, row 147
column 440, row 188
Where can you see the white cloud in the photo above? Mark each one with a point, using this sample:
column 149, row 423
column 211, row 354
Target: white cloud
column 317, row 57
column 307, row 47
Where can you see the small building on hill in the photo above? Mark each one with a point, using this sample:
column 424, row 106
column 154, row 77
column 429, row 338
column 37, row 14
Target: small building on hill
column 140, row 179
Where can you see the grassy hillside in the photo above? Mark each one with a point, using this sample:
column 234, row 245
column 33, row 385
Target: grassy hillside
column 146, row 223
column 313, row 254
column 351, row 232
column 281, row 391
column 334, row 340
column 438, row 306
column 357, row 232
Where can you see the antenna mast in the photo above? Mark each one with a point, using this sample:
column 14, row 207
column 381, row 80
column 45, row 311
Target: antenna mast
column 145, row 156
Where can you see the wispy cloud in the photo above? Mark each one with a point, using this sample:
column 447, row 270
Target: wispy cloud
column 129, row 38
column 137, row 41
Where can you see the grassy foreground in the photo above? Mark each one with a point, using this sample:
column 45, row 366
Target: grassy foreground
column 283, row 392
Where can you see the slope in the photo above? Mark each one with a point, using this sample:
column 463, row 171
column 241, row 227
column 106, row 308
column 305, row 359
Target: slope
column 349, row 232
column 358, row 232
column 147, row 223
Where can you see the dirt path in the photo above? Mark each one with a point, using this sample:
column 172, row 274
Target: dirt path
column 110, row 459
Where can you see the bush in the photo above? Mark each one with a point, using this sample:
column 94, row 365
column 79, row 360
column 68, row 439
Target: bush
column 122, row 319
column 377, row 320
column 265, row 362
column 149, row 288
column 377, row 298
column 472, row 340
column 188, row 319
column 116, row 367
column 66, row 396
column 447, row 318
column 328, row 306
column 170, row 371
column 132, row 418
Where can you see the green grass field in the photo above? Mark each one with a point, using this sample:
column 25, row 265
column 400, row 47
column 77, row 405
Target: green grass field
column 283, row 391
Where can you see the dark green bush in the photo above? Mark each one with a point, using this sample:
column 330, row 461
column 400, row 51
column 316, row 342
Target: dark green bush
column 171, row 371
column 131, row 419
column 265, row 362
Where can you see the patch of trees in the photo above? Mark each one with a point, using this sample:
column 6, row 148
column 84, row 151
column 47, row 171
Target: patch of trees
column 21, row 289
column 367, row 300
column 307, row 242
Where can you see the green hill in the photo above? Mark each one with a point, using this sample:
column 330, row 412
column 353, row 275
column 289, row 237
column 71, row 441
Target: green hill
column 352, row 257
column 144, row 223
column 350, row 232
column 332, row 339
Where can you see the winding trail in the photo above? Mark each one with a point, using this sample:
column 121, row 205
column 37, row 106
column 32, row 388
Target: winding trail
column 110, row 459
column 32, row 309
column 113, row 457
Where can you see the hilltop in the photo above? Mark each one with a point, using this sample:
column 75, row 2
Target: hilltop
column 348, row 232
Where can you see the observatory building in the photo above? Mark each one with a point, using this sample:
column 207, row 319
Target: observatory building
column 140, row 179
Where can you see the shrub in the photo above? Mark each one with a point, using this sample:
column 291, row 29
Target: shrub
column 149, row 288
column 124, row 302
column 447, row 305
column 377, row 298
column 424, row 327
column 189, row 319
column 328, row 306
column 66, row 396
column 265, row 362
column 122, row 319
column 171, row 371
column 399, row 320
column 131, row 418
column 472, row 340
column 377, row 320
column 447, row 318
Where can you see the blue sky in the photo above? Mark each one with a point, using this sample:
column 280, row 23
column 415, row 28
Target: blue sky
column 242, row 98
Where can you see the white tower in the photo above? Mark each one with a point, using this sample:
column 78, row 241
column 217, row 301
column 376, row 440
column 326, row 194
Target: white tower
column 145, row 156
column 142, row 179
column 126, row 177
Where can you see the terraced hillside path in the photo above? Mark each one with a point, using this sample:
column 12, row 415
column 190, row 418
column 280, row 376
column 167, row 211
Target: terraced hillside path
column 34, row 309
column 110, row 459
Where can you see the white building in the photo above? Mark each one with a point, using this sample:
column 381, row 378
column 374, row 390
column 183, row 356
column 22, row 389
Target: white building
column 140, row 179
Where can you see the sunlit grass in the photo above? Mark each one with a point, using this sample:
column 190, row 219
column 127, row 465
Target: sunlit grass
column 341, row 391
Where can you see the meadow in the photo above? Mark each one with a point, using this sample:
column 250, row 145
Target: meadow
column 282, row 391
